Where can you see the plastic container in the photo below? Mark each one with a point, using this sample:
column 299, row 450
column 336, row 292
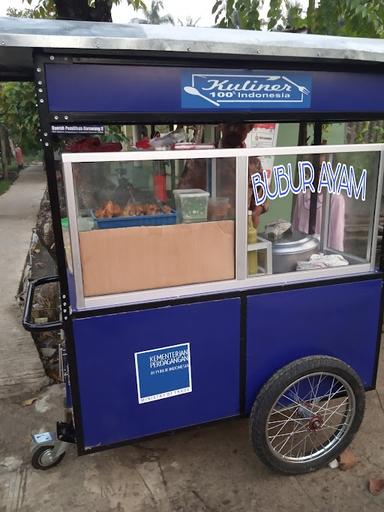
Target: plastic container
column 191, row 205
column 218, row 208
column 139, row 220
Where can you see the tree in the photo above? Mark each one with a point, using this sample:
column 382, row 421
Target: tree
column 188, row 22
column 243, row 14
column 85, row 10
column 363, row 18
column 19, row 113
column 18, row 110
column 153, row 16
column 5, row 150
column 359, row 18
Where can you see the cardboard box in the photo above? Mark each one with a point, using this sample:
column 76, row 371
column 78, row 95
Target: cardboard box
column 141, row 258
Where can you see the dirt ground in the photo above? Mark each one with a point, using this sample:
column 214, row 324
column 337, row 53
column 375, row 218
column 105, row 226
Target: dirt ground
column 206, row 469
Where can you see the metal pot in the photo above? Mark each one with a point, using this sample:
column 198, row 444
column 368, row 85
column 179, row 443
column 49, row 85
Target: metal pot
column 292, row 247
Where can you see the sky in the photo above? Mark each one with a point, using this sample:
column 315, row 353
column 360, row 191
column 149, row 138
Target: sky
column 122, row 13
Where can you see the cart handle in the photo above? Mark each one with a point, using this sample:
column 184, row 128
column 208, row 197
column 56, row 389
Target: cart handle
column 27, row 323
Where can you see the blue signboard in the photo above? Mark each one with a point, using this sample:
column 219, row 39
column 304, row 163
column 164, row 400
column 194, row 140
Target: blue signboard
column 92, row 88
column 245, row 91
column 163, row 372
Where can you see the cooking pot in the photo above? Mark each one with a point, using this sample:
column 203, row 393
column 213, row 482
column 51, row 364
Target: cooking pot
column 292, row 247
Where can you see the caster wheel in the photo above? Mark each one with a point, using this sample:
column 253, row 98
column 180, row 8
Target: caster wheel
column 307, row 414
column 43, row 458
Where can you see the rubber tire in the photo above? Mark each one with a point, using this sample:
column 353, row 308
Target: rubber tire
column 275, row 386
column 36, row 456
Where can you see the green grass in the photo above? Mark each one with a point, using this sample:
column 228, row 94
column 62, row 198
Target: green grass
column 4, row 186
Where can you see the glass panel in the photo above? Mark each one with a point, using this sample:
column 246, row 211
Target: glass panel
column 315, row 211
column 155, row 223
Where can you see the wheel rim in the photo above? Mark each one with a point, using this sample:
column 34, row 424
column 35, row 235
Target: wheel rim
column 310, row 417
column 46, row 458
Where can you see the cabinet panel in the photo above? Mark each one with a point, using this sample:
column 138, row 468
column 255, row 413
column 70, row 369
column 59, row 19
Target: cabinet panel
column 186, row 359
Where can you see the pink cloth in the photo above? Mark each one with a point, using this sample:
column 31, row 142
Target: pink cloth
column 300, row 219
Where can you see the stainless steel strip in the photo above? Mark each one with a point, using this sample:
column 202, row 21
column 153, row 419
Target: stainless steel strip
column 217, row 153
column 73, row 233
column 51, row 34
column 263, row 281
column 241, row 249
column 379, row 198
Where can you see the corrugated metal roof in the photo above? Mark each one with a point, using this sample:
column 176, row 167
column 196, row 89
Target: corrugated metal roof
column 19, row 36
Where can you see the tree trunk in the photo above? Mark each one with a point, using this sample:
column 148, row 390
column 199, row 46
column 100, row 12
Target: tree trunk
column 80, row 10
column 4, row 151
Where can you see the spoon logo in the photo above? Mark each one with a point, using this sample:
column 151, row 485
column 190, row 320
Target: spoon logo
column 245, row 91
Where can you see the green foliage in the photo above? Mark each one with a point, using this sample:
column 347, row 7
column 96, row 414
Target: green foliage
column 18, row 112
column 153, row 14
column 274, row 13
column 238, row 14
column 115, row 133
column 188, row 22
column 44, row 9
column 361, row 18
column 4, row 186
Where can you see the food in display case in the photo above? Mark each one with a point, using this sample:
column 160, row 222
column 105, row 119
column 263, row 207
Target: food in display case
column 157, row 243
column 134, row 214
column 218, row 208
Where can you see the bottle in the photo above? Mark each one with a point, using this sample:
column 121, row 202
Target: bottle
column 252, row 239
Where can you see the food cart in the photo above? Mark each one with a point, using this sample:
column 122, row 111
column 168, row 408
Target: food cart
column 204, row 278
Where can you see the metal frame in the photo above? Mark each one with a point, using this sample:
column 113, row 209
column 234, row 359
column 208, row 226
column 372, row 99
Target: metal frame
column 76, row 42
column 39, row 60
column 20, row 36
column 242, row 281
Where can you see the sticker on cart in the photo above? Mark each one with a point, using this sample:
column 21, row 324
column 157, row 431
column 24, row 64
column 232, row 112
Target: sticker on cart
column 42, row 437
column 264, row 90
column 163, row 372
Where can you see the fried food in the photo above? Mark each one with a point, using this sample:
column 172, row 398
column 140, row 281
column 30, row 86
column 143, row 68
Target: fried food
column 111, row 209
column 166, row 209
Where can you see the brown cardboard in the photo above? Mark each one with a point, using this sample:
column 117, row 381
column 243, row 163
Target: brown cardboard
column 140, row 258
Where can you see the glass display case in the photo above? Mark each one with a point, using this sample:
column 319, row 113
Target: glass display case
column 216, row 220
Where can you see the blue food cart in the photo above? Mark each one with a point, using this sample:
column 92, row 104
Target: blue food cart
column 226, row 265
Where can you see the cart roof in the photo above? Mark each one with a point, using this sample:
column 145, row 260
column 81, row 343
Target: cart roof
column 20, row 36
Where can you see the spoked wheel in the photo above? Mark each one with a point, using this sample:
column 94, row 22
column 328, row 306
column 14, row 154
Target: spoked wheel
column 307, row 414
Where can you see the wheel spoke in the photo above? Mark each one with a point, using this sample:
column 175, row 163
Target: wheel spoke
column 281, row 428
column 303, row 428
column 299, row 404
column 297, row 420
column 291, row 435
column 301, row 440
column 330, row 397
column 335, row 412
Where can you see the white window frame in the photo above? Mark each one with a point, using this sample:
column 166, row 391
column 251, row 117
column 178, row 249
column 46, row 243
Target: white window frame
column 242, row 281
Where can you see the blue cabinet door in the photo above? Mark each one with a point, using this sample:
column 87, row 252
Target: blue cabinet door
column 145, row 372
column 339, row 320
